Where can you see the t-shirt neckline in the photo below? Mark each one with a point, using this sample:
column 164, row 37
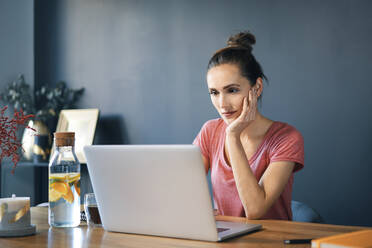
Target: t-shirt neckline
column 268, row 132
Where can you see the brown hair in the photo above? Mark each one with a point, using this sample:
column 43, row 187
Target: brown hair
column 239, row 52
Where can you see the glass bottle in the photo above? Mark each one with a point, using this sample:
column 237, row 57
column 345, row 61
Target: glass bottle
column 64, row 182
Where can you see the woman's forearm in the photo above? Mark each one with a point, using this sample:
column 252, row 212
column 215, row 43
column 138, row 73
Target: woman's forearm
column 251, row 194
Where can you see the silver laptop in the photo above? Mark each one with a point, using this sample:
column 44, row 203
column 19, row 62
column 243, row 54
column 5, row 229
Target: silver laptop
column 157, row 190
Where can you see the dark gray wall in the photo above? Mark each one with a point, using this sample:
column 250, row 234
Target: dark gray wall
column 16, row 40
column 16, row 57
column 144, row 61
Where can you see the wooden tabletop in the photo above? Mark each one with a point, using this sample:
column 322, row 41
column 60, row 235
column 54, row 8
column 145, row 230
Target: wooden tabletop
column 272, row 235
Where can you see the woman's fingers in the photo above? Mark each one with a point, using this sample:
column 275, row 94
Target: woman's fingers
column 247, row 115
column 253, row 104
column 255, row 98
column 245, row 110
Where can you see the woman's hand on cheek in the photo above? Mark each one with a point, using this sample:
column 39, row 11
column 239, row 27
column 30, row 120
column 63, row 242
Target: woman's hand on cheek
column 246, row 117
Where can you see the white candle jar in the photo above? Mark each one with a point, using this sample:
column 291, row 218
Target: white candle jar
column 15, row 217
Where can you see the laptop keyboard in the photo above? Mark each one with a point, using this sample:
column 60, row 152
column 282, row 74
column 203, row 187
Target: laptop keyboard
column 220, row 229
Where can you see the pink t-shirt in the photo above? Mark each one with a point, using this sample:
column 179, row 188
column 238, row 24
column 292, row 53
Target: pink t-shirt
column 282, row 142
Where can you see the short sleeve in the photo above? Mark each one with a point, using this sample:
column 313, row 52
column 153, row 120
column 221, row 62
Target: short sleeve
column 289, row 146
column 202, row 140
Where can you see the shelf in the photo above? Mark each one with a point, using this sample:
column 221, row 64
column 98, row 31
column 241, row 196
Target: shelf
column 32, row 164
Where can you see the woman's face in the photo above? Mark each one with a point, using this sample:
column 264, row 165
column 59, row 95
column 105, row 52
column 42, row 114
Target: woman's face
column 227, row 88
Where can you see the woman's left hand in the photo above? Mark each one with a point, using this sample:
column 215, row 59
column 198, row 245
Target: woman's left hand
column 247, row 115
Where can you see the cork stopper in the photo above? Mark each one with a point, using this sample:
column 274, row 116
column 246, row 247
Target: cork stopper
column 64, row 138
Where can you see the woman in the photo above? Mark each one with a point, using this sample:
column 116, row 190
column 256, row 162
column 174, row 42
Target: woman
column 252, row 158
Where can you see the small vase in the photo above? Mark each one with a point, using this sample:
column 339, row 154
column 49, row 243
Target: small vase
column 28, row 137
column 41, row 148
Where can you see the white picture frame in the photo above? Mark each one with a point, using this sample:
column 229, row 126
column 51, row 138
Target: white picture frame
column 81, row 121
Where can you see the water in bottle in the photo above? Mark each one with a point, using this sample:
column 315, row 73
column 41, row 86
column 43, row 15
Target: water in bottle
column 64, row 183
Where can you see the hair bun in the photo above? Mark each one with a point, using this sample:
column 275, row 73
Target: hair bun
column 242, row 39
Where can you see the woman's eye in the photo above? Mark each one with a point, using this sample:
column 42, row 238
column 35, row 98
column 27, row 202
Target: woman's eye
column 233, row 90
column 213, row 92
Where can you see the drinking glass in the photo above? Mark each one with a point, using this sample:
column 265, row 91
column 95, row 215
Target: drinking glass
column 91, row 211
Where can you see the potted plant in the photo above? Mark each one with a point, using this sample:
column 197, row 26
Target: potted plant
column 9, row 143
column 45, row 103
column 15, row 215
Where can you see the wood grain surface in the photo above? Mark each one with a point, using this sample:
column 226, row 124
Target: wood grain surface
column 272, row 235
